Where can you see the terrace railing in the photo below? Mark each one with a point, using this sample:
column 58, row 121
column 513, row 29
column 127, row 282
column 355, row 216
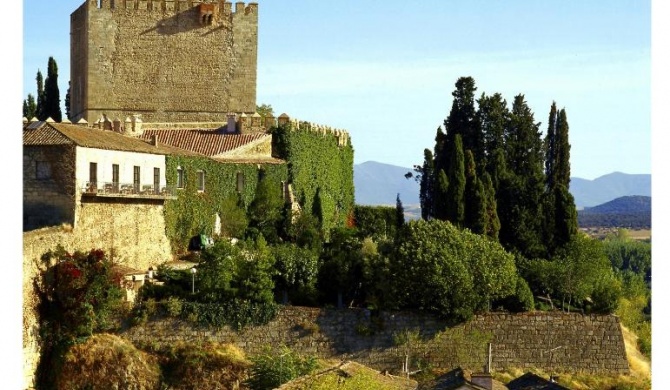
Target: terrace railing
column 114, row 189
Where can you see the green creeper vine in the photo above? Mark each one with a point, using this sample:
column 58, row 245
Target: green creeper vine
column 321, row 172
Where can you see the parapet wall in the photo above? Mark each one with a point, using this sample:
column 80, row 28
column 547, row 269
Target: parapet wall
column 555, row 341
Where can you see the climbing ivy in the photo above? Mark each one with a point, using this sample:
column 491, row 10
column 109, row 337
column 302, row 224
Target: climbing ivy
column 194, row 212
column 320, row 170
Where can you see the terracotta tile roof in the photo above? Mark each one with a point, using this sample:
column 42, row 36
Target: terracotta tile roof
column 204, row 141
column 249, row 160
column 60, row 134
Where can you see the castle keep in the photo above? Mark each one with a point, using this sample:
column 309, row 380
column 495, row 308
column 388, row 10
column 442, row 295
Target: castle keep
column 167, row 60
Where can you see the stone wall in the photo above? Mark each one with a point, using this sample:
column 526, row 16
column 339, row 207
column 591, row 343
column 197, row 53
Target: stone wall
column 48, row 197
column 134, row 232
column 580, row 343
column 162, row 60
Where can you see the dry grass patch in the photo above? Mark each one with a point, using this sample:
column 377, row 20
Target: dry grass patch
column 107, row 361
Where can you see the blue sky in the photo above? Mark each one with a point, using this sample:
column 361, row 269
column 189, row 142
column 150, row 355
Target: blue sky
column 386, row 72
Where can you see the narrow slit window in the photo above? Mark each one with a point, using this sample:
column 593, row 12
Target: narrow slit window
column 201, row 181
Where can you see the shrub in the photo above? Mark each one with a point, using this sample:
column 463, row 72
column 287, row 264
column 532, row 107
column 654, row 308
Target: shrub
column 276, row 366
column 107, row 361
column 205, row 366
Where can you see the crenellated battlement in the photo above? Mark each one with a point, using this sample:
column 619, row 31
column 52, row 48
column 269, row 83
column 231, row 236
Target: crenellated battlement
column 217, row 8
column 342, row 136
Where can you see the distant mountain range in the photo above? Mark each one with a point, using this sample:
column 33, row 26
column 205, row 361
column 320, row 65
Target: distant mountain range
column 626, row 211
column 378, row 184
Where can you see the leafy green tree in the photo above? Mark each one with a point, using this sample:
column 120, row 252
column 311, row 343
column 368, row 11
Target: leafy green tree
column 254, row 279
column 217, row 271
column 265, row 211
column 341, row 273
column 265, row 110
column 454, row 273
column 296, row 271
column 51, row 93
column 29, row 107
column 233, row 217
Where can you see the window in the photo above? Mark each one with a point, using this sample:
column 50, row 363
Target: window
column 93, row 173
column 42, row 170
column 115, row 177
column 201, row 181
column 180, row 177
column 240, row 182
column 136, row 178
column 157, row 180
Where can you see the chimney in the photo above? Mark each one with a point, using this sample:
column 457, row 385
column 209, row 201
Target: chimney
column 154, row 140
column 483, row 380
column 231, row 126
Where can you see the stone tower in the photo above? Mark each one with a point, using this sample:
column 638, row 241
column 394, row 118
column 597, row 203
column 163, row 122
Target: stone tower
column 167, row 60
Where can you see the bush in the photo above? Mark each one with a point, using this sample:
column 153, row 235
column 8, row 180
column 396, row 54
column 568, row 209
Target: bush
column 276, row 366
column 522, row 300
column 205, row 366
column 107, row 361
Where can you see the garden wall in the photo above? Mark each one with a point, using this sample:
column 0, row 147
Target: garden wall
column 564, row 342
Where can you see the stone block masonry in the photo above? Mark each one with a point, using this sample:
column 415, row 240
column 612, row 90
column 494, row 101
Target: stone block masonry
column 170, row 61
column 551, row 341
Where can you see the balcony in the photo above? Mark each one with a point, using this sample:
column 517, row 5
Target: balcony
column 127, row 190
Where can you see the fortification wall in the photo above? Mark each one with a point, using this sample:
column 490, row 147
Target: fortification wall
column 170, row 61
column 581, row 343
column 135, row 233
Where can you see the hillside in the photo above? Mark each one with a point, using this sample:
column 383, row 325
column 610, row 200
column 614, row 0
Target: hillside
column 626, row 211
column 377, row 184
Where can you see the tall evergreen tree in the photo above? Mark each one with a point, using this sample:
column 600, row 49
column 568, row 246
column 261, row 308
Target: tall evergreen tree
column 426, row 187
column 520, row 193
column 39, row 111
column 29, row 107
column 399, row 214
column 440, row 196
column 67, row 101
column 492, row 221
column 475, row 199
column 563, row 153
column 456, row 190
column 493, row 117
column 550, row 148
column 51, row 93
column 463, row 120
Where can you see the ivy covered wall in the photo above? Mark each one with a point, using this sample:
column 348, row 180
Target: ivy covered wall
column 321, row 169
column 194, row 212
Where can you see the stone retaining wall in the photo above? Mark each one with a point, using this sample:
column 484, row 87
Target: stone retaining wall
column 550, row 341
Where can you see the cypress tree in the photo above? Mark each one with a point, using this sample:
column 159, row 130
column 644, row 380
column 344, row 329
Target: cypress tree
column 39, row 111
column 426, row 188
column 456, row 190
column 565, row 217
column 440, row 198
column 399, row 214
column 550, row 148
column 475, row 200
column 492, row 227
column 51, row 94
column 563, row 150
column 493, row 117
column 29, row 107
column 67, row 102
column 463, row 120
